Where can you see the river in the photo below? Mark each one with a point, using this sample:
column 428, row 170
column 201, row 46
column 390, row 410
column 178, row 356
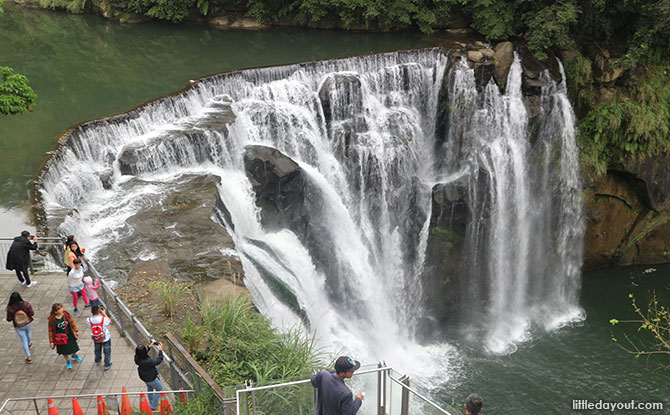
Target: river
column 84, row 67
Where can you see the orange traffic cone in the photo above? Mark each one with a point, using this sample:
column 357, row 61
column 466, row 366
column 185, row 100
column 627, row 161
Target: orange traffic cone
column 76, row 409
column 102, row 406
column 126, row 409
column 52, row 407
column 182, row 396
column 144, row 405
column 165, row 405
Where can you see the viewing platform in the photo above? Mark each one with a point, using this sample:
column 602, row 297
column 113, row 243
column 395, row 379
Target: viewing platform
column 47, row 375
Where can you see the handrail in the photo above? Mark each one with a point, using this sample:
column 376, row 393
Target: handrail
column 428, row 401
column 88, row 395
column 134, row 330
column 297, row 382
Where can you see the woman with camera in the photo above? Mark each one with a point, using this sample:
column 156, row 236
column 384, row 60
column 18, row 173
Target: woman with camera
column 146, row 368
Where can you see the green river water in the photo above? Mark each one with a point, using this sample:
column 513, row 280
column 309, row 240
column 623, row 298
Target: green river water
column 84, row 67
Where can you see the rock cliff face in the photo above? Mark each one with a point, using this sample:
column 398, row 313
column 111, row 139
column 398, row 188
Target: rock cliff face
column 628, row 215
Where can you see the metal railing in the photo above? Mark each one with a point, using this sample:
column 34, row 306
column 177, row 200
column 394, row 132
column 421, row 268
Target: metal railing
column 34, row 399
column 199, row 378
column 133, row 329
column 299, row 397
column 47, row 257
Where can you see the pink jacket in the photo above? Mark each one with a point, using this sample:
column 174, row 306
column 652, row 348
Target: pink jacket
column 90, row 288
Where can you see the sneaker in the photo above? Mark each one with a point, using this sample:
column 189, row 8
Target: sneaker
column 108, row 367
column 32, row 284
column 98, row 363
column 68, row 365
column 29, row 360
column 75, row 311
column 23, row 283
column 87, row 305
column 77, row 358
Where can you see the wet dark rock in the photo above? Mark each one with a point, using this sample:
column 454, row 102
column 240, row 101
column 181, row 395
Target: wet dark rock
column 345, row 90
column 279, row 186
column 177, row 234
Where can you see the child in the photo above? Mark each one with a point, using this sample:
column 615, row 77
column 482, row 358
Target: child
column 91, row 291
column 74, row 281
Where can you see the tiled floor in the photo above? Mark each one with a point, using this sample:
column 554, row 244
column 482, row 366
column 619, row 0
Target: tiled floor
column 47, row 375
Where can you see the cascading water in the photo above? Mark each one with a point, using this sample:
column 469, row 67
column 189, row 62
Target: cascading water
column 524, row 240
column 362, row 132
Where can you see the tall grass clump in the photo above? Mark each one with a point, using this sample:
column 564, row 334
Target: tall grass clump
column 237, row 344
column 171, row 293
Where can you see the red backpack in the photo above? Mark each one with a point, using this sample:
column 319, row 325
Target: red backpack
column 97, row 330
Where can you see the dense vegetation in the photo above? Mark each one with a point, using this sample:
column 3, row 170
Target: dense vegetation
column 236, row 344
column 16, row 95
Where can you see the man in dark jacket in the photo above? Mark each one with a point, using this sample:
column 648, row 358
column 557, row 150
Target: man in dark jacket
column 334, row 397
column 18, row 257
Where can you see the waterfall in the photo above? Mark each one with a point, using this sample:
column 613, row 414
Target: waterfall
column 362, row 133
column 524, row 238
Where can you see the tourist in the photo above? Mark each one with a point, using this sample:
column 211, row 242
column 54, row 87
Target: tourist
column 76, row 284
column 63, row 334
column 21, row 313
column 80, row 251
column 98, row 323
column 91, row 291
column 146, row 368
column 18, row 257
column 71, row 255
column 473, row 405
column 334, row 397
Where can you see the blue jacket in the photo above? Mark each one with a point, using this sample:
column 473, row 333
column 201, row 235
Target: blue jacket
column 333, row 397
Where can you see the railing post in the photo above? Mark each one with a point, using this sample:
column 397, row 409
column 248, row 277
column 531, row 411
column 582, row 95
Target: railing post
column 36, row 408
column 404, row 401
column 381, row 390
column 120, row 314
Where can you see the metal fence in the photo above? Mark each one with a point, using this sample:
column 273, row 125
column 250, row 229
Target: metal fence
column 131, row 328
column 110, row 398
column 386, row 393
column 47, row 257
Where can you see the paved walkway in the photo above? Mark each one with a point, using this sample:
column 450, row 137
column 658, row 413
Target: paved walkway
column 47, row 374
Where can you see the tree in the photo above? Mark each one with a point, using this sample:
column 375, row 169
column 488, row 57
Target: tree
column 16, row 96
column 655, row 322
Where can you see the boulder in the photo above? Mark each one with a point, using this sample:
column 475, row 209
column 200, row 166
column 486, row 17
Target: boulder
column 236, row 21
column 504, row 55
column 279, row 185
column 475, row 56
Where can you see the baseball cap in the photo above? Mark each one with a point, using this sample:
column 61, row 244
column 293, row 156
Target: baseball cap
column 346, row 364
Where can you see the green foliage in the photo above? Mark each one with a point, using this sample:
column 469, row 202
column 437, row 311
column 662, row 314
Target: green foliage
column 202, row 403
column 170, row 292
column 579, row 79
column 16, row 96
column 495, row 19
column 73, row 6
column 240, row 344
column 635, row 123
column 172, row 10
column 377, row 14
column 550, row 26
